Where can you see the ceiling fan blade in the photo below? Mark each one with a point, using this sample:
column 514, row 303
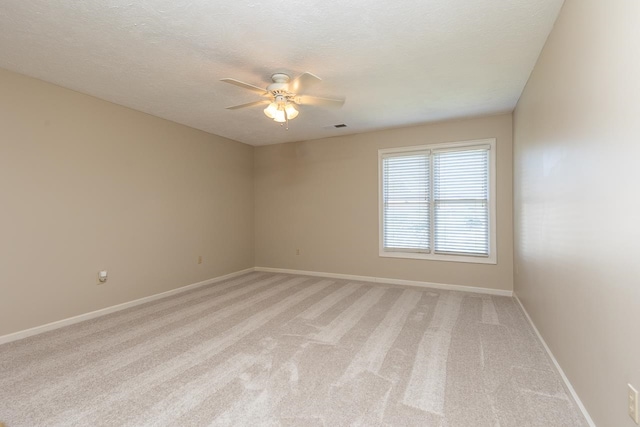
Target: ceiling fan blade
column 245, row 85
column 322, row 102
column 303, row 82
column 249, row 104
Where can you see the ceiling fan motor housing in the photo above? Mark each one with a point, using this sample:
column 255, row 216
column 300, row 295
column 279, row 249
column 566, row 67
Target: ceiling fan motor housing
column 280, row 83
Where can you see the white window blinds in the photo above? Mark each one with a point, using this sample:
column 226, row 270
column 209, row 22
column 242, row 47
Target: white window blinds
column 461, row 205
column 406, row 200
column 437, row 201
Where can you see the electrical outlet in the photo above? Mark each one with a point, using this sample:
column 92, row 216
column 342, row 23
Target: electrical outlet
column 199, row 259
column 297, row 251
column 102, row 276
column 633, row 404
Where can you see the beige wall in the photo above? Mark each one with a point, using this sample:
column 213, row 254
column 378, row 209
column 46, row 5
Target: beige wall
column 86, row 185
column 577, row 210
column 322, row 197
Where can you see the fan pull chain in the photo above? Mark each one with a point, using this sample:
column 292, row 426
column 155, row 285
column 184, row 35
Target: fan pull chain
column 286, row 119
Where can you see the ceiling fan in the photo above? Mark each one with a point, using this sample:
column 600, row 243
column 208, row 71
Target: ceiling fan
column 283, row 95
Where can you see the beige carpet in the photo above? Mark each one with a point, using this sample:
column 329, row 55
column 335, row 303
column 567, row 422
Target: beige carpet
column 274, row 349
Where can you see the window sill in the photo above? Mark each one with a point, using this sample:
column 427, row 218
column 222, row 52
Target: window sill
column 440, row 257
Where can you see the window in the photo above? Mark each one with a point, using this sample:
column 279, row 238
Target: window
column 438, row 202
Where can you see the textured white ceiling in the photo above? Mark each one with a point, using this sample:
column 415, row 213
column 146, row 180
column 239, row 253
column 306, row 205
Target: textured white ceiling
column 396, row 63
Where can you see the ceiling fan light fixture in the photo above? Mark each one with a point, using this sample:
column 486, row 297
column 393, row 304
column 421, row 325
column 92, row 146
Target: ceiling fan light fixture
column 276, row 111
column 292, row 113
column 271, row 110
column 279, row 117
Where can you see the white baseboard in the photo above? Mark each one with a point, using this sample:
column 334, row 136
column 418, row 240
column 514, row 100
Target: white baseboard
column 462, row 288
column 93, row 314
column 557, row 365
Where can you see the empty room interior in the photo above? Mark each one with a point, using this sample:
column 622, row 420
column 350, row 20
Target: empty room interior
column 320, row 213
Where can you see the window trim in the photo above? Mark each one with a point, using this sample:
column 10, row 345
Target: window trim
column 493, row 248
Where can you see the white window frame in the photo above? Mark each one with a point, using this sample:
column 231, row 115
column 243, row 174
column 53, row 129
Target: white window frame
column 493, row 250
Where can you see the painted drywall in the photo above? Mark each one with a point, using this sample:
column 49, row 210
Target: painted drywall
column 577, row 234
column 87, row 185
column 322, row 197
